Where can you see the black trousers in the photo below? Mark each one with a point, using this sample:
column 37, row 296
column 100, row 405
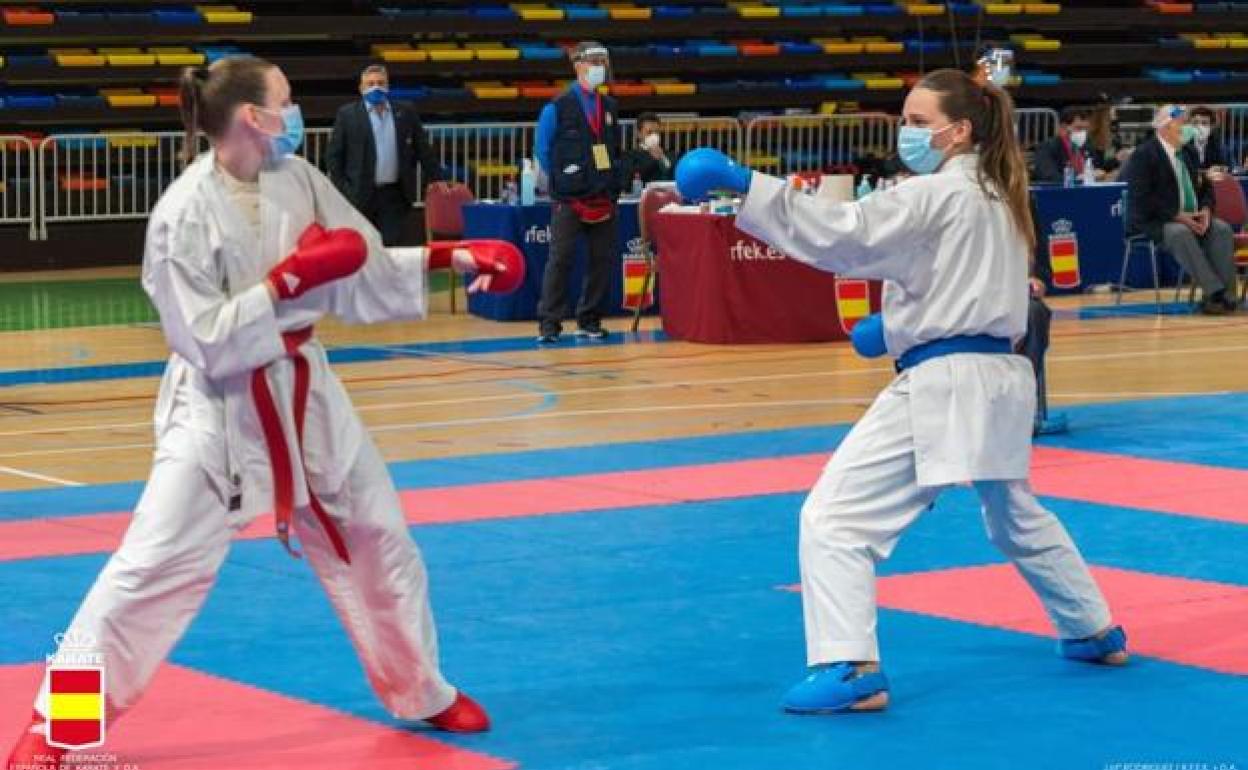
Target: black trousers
column 602, row 239
column 388, row 210
column 1034, row 345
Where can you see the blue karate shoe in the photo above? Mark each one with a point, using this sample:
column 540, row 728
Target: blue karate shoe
column 1110, row 648
column 1051, row 425
column 837, row 688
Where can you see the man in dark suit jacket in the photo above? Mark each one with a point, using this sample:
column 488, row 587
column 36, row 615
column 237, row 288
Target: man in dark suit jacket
column 1169, row 199
column 1210, row 152
column 372, row 155
column 1069, row 148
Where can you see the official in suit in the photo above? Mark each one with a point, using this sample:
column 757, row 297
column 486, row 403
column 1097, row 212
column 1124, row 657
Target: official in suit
column 1171, row 201
column 373, row 151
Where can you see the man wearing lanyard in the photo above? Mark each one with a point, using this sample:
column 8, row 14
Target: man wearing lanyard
column 578, row 148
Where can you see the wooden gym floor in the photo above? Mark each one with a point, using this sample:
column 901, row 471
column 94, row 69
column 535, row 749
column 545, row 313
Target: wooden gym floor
column 442, row 403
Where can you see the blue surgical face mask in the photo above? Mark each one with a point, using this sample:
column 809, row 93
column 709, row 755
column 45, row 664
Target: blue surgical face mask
column 1188, row 133
column 376, row 95
column 596, row 75
column 914, row 146
column 289, row 141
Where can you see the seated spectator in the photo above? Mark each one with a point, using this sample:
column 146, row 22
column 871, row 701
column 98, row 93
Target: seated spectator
column 647, row 160
column 1211, row 155
column 1070, row 148
column 1171, row 201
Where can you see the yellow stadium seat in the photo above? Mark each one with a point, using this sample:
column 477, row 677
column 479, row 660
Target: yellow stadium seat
column 662, row 88
column 629, row 14
column 497, row 54
column 925, row 9
column 541, row 14
column 885, row 47
column 884, row 84
column 1042, row 45
column 128, row 97
column 128, row 137
column 496, row 92
column 223, row 14
column 77, row 57
column 758, row 12
column 457, row 54
column 1002, row 9
column 842, row 48
column 1045, row 9
column 496, row 168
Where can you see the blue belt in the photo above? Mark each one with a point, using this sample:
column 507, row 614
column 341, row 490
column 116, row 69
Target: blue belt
column 976, row 343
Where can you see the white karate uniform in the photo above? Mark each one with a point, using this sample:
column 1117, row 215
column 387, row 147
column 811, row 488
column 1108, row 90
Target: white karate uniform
column 204, row 269
column 952, row 264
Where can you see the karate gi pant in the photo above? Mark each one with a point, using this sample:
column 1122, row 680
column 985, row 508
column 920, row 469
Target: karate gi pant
column 866, row 497
column 152, row 587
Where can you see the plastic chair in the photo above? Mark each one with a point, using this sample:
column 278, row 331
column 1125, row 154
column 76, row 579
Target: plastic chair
column 1130, row 242
column 1231, row 206
column 653, row 198
column 444, row 215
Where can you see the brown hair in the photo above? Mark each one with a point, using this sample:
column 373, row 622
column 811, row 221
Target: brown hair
column 210, row 94
column 990, row 111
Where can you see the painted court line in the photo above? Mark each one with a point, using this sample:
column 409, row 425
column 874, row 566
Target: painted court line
column 1193, row 622
column 1166, row 487
column 189, row 720
column 39, row 477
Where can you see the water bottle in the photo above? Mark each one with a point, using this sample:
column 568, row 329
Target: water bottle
column 528, row 183
column 864, row 187
column 509, row 192
column 1068, row 176
column 637, row 185
column 1089, row 172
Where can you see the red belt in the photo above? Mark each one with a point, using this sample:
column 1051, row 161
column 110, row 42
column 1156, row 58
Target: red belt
column 279, row 452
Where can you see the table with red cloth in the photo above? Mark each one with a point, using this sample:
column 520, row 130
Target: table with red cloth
column 722, row 286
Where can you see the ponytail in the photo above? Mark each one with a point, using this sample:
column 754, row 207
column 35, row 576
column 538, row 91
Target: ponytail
column 209, row 96
column 189, row 92
column 1002, row 161
column 1002, row 168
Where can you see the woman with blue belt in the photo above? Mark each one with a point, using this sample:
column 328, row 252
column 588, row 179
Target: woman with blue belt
column 952, row 245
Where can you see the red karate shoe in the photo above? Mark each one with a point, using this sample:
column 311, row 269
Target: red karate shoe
column 465, row 715
column 32, row 751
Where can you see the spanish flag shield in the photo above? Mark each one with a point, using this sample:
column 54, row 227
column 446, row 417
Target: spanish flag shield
column 75, row 707
column 853, row 302
column 636, row 292
column 1064, row 257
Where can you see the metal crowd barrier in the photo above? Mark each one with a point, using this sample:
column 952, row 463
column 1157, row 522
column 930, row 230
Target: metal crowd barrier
column 1035, row 125
column 119, row 175
column 786, row 144
column 105, row 176
column 18, row 187
column 1233, row 126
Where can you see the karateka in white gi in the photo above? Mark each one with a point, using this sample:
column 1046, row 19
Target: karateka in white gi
column 246, row 251
column 952, row 246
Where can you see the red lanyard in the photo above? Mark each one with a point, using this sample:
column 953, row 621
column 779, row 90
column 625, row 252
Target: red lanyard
column 595, row 120
column 1075, row 157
